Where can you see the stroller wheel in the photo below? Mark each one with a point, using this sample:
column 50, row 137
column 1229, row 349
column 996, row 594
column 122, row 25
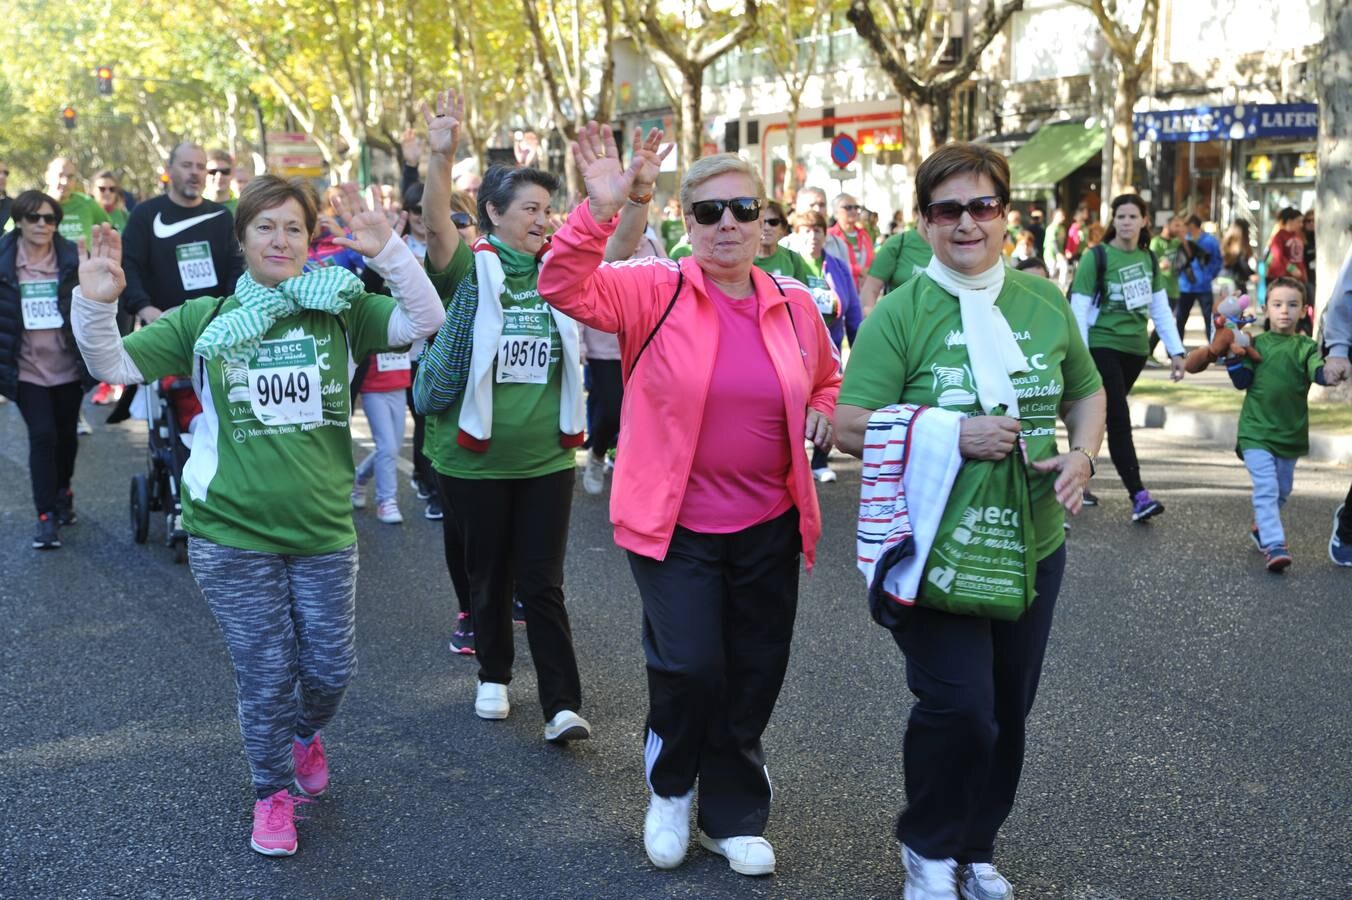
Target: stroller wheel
column 140, row 508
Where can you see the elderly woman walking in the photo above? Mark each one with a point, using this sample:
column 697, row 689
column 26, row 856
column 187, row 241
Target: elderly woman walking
column 728, row 369
column 266, row 505
column 952, row 337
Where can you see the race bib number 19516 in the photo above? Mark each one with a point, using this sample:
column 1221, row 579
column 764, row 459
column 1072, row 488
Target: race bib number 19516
column 284, row 382
column 523, row 351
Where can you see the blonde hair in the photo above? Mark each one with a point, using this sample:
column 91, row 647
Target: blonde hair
column 711, row 167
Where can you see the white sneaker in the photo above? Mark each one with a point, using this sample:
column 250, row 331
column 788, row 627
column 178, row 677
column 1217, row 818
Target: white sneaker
column 929, row 879
column 982, row 881
column 825, row 474
column 387, row 511
column 82, row 425
column 747, row 854
column 491, row 701
column 567, row 726
column 666, row 830
column 358, row 494
column 594, row 475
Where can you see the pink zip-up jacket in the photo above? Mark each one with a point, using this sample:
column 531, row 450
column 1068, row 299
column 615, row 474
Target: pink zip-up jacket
column 664, row 396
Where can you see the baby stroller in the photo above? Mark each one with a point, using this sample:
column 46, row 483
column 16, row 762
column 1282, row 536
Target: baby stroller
column 171, row 404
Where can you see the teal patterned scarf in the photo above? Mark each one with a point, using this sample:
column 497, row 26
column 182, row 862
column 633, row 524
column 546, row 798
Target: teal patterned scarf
column 235, row 335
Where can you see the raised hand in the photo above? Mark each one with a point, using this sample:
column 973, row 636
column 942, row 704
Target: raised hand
column 101, row 276
column 411, row 146
column 598, row 161
column 443, row 127
column 370, row 228
column 649, row 151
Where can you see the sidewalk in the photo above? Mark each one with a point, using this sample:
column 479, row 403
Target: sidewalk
column 1219, row 427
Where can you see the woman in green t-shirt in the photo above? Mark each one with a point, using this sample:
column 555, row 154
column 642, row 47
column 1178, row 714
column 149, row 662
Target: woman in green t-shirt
column 1112, row 311
column 266, row 489
column 946, row 338
column 504, row 448
column 772, row 256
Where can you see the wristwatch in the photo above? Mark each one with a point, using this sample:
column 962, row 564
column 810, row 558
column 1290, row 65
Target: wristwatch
column 1093, row 470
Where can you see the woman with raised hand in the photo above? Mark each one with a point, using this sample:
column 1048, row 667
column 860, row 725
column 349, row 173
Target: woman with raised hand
column 265, row 491
column 728, row 370
column 504, row 443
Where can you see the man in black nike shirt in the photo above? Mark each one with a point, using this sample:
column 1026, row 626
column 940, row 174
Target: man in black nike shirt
column 179, row 245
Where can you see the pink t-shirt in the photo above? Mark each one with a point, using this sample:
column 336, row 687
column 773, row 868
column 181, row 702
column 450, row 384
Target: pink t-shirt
column 740, row 474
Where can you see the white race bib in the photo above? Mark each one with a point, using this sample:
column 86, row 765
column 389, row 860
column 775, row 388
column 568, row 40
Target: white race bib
column 40, row 308
column 1136, row 293
column 284, row 382
column 393, row 362
column 523, row 351
column 822, row 296
column 196, row 268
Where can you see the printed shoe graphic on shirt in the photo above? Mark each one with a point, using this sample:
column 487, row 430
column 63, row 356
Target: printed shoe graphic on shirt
column 954, row 386
column 236, row 375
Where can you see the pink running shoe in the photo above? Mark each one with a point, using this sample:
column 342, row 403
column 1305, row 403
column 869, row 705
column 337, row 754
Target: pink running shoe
column 312, row 769
column 274, row 824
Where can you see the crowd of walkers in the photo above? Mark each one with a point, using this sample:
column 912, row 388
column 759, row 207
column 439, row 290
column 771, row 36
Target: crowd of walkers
column 700, row 369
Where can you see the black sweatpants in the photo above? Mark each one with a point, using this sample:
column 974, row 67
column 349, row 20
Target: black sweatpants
column 974, row 680
column 604, row 398
column 453, row 548
column 717, row 623
column 1119, row 372
column 516, row 533
column 1183, row 310
column 51, row 414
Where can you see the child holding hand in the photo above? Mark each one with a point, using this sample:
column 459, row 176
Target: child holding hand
column 1274, row 424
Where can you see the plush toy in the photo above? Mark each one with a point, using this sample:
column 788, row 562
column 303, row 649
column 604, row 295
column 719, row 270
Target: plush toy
column 1230, row 338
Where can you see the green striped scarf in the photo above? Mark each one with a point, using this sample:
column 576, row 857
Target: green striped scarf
column 235, row 335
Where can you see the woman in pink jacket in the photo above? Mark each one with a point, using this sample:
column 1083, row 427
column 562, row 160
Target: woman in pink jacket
column 728, row 370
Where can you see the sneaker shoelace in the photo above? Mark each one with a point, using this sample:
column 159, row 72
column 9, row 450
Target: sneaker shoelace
column 281, row 808
column 311, row 757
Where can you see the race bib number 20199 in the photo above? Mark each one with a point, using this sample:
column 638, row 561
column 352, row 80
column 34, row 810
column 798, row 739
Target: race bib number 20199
column 284, row 382
column 1136, row 287
column 40, row 309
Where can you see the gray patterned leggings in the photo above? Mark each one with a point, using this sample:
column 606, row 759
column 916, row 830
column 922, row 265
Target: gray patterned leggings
column 290, row 625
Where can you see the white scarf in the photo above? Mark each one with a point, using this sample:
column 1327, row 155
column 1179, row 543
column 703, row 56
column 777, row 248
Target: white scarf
column 476, row 410
column 991, row 348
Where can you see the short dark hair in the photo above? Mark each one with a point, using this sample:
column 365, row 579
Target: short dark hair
column 1194, row 221
column 1286, row 281
column 809, row 217
column 1136, row 200
column 500, row 185
column 268, row 192
column 108, row 173
column 1031, row 262
column 29, row 202
column 954, row 159
column 413, row 196
column 1289, row 213
column 218, row 153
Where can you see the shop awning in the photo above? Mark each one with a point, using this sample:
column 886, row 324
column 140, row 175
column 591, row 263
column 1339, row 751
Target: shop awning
column 1053, row 153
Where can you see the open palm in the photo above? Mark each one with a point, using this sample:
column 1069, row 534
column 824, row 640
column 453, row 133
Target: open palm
column 370, row 228
column 101, row 276
column 443, row 127
column 598, row 162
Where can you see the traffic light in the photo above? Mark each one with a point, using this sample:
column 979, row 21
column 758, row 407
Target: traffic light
column 105, row 77
column 68, row 116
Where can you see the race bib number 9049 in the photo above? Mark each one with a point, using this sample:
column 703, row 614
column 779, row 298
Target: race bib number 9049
column 284, row 382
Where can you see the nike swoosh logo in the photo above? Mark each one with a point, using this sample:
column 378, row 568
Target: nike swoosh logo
column 164, row 231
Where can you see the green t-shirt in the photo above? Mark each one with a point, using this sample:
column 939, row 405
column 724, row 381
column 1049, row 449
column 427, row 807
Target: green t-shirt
column 1123, row 314
column 682, row 248
column 232, row 204
column 911, row 349
column 80, row 214
column 118, row 218
column 784, row 262
column 1276, row 413
column 525, row 440
column 672, row 231
column 1164, row 249
column 271, row 464
column 901, row 257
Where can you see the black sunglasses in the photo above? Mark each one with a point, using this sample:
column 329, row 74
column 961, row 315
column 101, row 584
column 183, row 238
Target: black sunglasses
column 772, row 221
column 107, row 189
column 34, row 218
column 416, row 209
column 219, row 171
column 462, row 220
column 948, row 212
column 744, row 209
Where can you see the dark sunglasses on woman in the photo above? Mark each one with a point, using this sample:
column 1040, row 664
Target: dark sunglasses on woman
column 461, row 220
column 948, row 212
column 773, row 222
column 218, row 171
column 34, row 218
column 744, row 209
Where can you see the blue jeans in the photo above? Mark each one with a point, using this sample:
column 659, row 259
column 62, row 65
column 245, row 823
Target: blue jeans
column 1272, row 477
column 385, row 413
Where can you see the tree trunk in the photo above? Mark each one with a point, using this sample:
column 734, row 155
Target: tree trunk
column 1124, row 103
column 924, row 116
column 791, row 137
column 1333, row 190
column 692, row 117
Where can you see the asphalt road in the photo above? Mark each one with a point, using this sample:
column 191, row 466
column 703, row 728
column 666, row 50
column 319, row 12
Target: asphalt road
column 1191, row 739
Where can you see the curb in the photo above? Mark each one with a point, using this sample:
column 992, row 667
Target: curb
column 1220, row 429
